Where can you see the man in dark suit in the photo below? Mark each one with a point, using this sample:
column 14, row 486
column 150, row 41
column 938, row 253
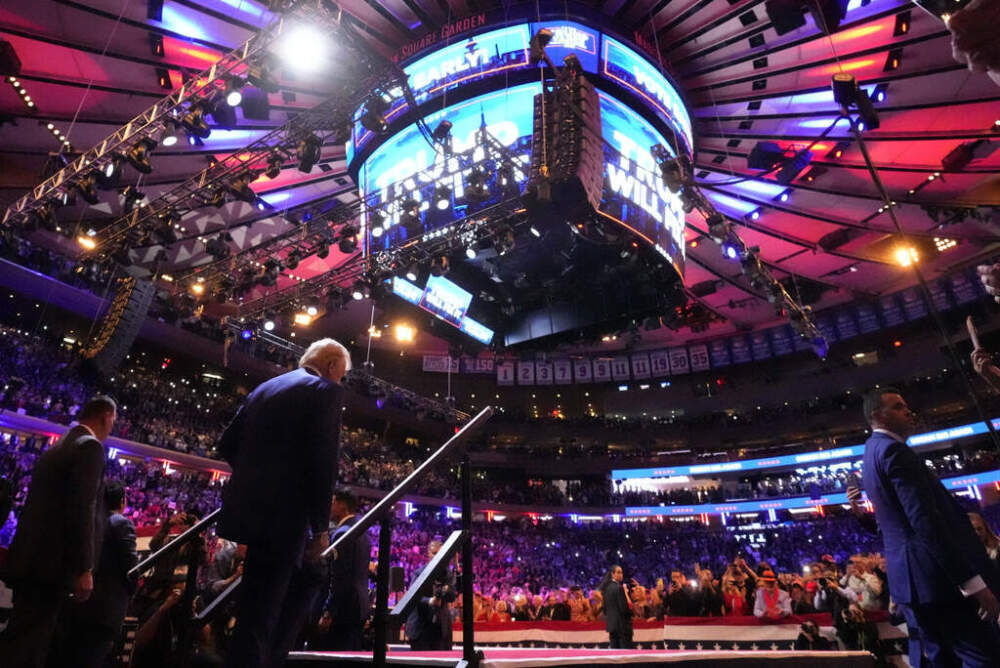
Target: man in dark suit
column 91, row 628
column 428, row 626
column 347, row 604
column 58, row 539
column 938, row 571
column 282, row 447
column 617, row 609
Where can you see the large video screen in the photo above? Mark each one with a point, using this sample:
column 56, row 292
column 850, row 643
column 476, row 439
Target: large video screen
column 407, row 167
column 445, row 300
column 506, row 49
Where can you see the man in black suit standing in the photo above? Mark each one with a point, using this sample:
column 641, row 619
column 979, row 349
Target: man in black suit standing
column 58, row 539
column 617, row 609
column 428, row 626
column 91, row 628
column 282, row 447
column 347, row 603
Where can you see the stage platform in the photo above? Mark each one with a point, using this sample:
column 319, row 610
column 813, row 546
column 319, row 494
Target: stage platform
column 494, row 657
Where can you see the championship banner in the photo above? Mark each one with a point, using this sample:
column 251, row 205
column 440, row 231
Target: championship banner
column 505, row 373
column 699, row 357
column 619, row 368
column 525, row 373
column 477, row 365
column 720, row 353
column 640, row 366
column 679, row 361
column 563, row 372
column 760, row 346
column 543, row 373
column 602, row 370
column 440, row 364
column 582, row 371
column 659, row 362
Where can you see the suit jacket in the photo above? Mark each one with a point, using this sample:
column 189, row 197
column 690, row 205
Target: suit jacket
column 930, row 547
column 113, row 588
column 433, row 624
column 61, row 525
column 282, row 447
column 618, row 616
column 348, row 601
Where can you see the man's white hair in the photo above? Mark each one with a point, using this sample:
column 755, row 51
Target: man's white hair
column 324, row 351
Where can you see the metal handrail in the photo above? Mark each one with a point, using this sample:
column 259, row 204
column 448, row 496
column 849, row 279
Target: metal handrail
column 175, row 544
column 438, row 563
column 392, row 498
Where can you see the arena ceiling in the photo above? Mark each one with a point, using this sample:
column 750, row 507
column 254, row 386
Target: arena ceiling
column 90, row 66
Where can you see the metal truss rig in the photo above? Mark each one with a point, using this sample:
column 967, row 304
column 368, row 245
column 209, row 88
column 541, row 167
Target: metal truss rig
column 677, row 175
column 151, row 121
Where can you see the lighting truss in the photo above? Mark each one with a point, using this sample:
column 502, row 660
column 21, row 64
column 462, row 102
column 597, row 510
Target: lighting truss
column 151, row 121
column 352, row 269
column 760, row 277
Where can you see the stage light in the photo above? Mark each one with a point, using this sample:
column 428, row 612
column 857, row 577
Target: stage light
column 170, row 134
column 310, row 151
column 241, row 190
column 234, row 92
column 902, row 24
column 292, row 259
column 718, row 228
column 348, row 239
column 373, row 115
column 87, row 187
column 893, row 60
column 442, row 132
column 504, row 241
column 754, row 215
column 785, row 195
column 731, row 251
column 765, row 155
column 440, row 265
column 880, row 93
column 246, row 334
column 138, row 155
column 302, row 319
column 274, row 163
column 838, row 150
column 538, row 43
column 793, row 167
column 87, row 242
column 404, row 333
column 304, row 48
column 906, row 255
column 534, row 231
column 198, row 289
column 470, row 253
column 442, row 196
column 131, row 197
column 477, row 189
column 111, row 169
column 312, row 311
column 359, row 291
column 194, row 121
column 943, row 244
column 412, row 272
column 377, row 231
column 269, row 325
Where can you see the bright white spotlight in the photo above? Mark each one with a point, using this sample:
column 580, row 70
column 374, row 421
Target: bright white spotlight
column 304, row 48
column 312, row 310
column 269, row 325
column 377, row 232
column 234, row 98
column 470, row 253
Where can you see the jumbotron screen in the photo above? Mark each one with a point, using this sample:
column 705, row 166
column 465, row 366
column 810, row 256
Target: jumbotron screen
column 404, row 165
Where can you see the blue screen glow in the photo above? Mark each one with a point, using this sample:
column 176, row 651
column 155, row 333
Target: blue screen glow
column 445, row 300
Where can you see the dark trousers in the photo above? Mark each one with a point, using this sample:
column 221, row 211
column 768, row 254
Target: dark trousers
column 953, row 635
column 342, row 638
column 82, row 645
column 274, row 599
column 26, row 641
column 621, row 639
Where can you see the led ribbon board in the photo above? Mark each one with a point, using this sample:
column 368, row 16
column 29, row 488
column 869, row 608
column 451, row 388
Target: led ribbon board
column 445, row 300
column 407, row 167
column 506, row 50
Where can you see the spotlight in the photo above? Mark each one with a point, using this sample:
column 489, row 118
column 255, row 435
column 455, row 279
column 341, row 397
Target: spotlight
column 404, row 333
column 198, row 289
column 268, row 325
column 373, row 115
column 788, row 15
column 131, row 197
column 234, row 92
column 359, row 291
column 164, row 229
column 718, row 228
column 793, row 167
column 194, row 121
column 302, row 319
column 170, row 134
column 672, row 173
column 477, row 188
column 87, row 242
column 246, row 334
column 470, row 253
column 906, row 255
column 534, row 231
column 442, row 196
column 442, row 132
column 410, row 218
column 880, row 93
column 731, row 251
column 312, row 311
column 892, row 60
column 784, row 196
column 504, row 241
column 377, row 231
column 274, row 162
column 241, row 190
column 538, row 43
column 304, row 48
column 292, row 259
column 138, row 155
column 838, row 151
column 439, row 265
column 348, row 239
column 112, row 169
column 754, row 215
column 765, row 155
column 87, row 187
column 218, row 198
column 412, row 273
column 309, row 152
